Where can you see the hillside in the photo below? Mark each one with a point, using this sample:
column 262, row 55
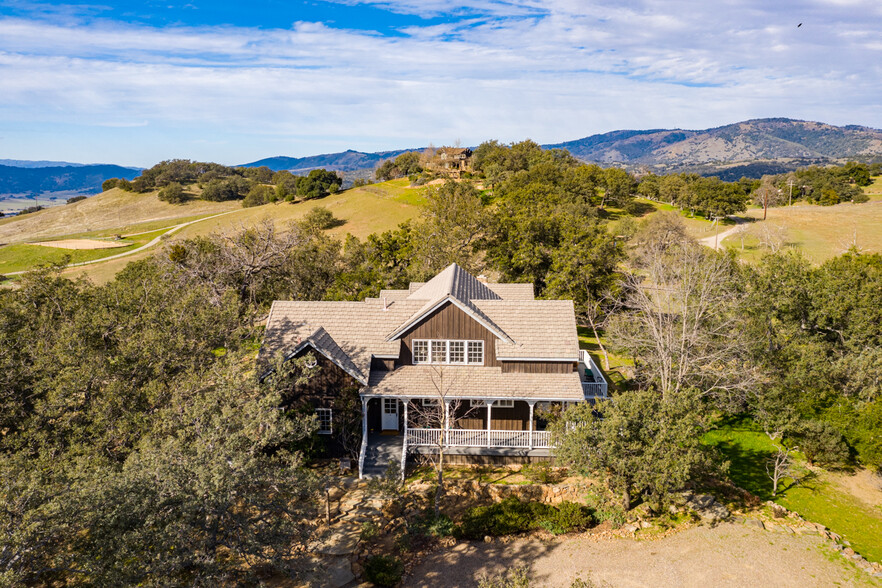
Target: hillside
column 345, row 161
column 141, row 217
column 42, row 180
column 114, row 210
column 753, row 140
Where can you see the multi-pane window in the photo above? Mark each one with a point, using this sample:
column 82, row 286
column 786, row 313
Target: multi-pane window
column 439, row 351
column 456, row 350
column 445, row 351
column 325, row 421
column 420, row 351
column 476, row 352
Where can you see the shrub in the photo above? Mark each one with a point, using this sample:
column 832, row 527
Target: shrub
column 321, row 218
column 539, row 473
column 30, row 209
column 822, row 442
column 513, row 516
column 369, row 531
column 76, row 199
column 383, row 570
column 109, row 184
column 429, row 525
column 173, row 193
column 606, row 510
column 258, row 195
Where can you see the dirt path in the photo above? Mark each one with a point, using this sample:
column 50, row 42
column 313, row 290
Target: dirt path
column 729, row 555
column 716, row 241
column 147, row 245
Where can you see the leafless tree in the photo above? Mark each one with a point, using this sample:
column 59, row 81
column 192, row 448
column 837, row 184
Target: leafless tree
column 442, row 413
column 772, row 236
column 780, row 466
column 741, row 231
column 682, row 320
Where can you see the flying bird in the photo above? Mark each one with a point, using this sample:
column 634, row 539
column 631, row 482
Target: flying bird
column 799, row 25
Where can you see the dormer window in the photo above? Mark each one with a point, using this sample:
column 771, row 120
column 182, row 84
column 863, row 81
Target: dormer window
column 445, row 351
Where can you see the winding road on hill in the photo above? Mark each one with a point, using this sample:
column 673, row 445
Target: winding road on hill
column 148, row 245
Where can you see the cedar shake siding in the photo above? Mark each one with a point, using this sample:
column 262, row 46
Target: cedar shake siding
column 449, row 322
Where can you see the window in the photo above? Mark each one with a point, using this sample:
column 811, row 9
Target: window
column 420, row 351
column 476, row 352
column 430, row 401
column 477, row 403
column 325, row 421
column 445, row 351
column 439, row 351
column 503, row 404
column 457, row 351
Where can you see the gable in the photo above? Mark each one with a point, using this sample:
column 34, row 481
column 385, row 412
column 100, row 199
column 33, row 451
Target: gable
column 449, row 322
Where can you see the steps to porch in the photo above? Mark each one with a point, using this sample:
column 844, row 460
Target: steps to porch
column 382, row 451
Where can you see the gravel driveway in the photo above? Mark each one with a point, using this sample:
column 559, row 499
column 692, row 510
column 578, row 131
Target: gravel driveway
column 728, row 555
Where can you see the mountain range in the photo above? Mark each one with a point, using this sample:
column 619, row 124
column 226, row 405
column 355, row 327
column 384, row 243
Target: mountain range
column 749, row 148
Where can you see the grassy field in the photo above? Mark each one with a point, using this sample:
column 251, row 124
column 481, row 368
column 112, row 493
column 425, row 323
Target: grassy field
column 24, row 256
column 111, row 212
column 821, row 232
column 817, row 497
column 369, row 209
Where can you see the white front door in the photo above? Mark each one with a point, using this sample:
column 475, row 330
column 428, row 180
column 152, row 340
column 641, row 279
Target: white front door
column 390, row 414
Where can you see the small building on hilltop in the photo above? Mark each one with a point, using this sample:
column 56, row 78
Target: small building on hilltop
column 451, row 161
column 455, row 363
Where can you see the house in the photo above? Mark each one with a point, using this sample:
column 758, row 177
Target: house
column 451, row 161
column 490, row 355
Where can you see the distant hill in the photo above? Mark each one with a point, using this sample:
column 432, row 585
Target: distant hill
column 345, row 161
column 69, row 179
column 768, row 139
column 29, row 163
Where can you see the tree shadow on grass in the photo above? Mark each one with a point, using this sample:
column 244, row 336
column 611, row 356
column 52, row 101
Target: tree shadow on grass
column 747, row 468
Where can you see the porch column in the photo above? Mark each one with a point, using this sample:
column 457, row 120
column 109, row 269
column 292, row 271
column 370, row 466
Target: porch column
column 445, row 437
column 489, row 404
column 404, row 444
column 531, row 423
column 364, row 436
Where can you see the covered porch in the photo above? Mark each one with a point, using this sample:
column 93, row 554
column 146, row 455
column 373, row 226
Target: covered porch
column 464, row 426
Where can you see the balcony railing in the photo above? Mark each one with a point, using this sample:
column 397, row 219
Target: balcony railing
column 479, row 438
column 593, row 383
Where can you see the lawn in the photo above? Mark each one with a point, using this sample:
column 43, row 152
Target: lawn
column 24, row 256
column 815, row 498
column 617, row 363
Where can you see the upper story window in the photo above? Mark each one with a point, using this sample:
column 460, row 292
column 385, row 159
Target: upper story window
column 445, row 351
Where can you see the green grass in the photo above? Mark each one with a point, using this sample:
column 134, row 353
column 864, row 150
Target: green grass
column 614, row 375
column 23, row 256
column 815, row 498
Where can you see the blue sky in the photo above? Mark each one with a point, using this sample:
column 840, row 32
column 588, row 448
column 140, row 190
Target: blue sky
column 137, row 82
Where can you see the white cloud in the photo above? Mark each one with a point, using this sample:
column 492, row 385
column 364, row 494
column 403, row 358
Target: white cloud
column 549, row 70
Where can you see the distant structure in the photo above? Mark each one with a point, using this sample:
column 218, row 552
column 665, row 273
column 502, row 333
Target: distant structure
column 450, row 161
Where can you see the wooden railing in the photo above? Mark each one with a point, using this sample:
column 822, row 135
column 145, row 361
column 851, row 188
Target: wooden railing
column 479, row 438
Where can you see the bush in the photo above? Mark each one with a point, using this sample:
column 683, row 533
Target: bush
column 173, row 193
column 383, row 570
column 30, row 209
column 76, row 199
column 259, row 195
column 606, row 510
column 539, row 473
column 513, row 516
column 822, row 442
column 109, row 184
column 518, row 577
column 429, row 525
column 321, row 218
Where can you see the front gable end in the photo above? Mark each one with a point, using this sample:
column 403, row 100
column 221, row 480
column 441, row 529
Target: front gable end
column 447, row 322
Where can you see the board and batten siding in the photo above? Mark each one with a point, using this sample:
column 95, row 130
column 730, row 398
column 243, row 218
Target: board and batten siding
column 449, row 322
column 539, row 367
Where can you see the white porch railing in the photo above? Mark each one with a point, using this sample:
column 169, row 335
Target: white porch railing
column 479, row 438
column 589, row 371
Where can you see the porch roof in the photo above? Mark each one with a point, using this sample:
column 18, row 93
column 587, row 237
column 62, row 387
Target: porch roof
column 416, row 381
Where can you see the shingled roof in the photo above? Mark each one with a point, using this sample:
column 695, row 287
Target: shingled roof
column 352, row 333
